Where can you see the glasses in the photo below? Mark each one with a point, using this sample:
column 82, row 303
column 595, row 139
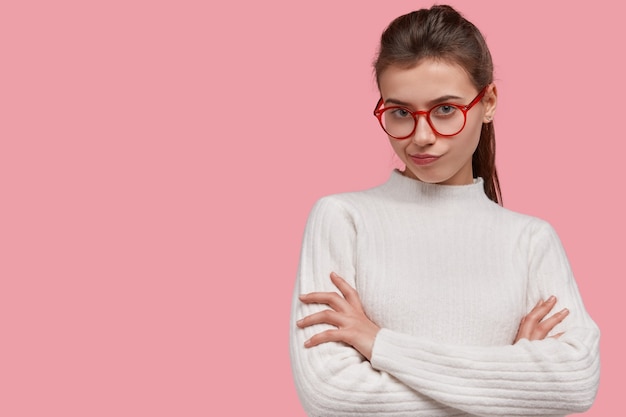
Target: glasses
column 444, row 119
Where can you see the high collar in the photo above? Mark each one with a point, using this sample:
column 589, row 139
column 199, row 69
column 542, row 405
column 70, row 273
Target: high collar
column 409, row 189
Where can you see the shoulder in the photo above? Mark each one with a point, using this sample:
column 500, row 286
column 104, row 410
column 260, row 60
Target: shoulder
column 537, row 236
column 529, row 224
column 348, row 212
column 352, row 203
column 533, row 235
column 533, row 226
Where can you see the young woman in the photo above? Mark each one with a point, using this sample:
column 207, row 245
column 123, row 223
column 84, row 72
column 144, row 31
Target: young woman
column 423, row 296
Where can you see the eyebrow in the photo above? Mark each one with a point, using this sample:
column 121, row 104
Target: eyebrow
column 431, row 103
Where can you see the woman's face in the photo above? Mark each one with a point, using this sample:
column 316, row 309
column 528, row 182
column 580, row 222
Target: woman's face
column 429, row 157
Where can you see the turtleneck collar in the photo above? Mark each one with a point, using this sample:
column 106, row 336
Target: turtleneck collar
column 409, row 189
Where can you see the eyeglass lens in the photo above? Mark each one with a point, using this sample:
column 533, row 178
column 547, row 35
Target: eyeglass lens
column 445, row 120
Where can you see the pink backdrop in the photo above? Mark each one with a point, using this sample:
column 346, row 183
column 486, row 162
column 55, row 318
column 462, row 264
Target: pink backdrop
column 158, row 160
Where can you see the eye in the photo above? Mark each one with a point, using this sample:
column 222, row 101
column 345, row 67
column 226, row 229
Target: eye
column 444, row 110
column 401, row 113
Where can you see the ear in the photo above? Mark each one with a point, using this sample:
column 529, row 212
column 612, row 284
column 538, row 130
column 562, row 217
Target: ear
column 490, row 100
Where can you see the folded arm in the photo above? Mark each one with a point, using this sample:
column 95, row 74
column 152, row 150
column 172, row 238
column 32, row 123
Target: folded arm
column 417, row 376
column 333, row 378
column 554, row 376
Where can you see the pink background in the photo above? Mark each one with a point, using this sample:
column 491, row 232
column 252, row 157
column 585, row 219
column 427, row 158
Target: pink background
column 158, row 161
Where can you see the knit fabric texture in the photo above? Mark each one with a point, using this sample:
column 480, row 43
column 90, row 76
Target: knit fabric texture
column 447, row 274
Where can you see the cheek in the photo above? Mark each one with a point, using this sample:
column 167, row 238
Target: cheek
column 398, row 147
column 472, row 136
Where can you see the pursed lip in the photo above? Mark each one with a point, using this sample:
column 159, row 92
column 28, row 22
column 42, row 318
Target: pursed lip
column 424, row 158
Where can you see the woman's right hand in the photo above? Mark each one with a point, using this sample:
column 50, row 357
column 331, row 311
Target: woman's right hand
column 533, row 327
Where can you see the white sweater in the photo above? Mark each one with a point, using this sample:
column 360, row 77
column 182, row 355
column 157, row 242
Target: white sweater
column 447, row 274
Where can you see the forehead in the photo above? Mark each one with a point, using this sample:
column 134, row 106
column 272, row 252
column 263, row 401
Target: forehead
column 425, row 81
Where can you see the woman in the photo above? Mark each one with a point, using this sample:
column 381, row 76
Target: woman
column 440, row 302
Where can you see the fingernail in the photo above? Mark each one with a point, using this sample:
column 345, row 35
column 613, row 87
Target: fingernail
column 551, row 299
column 299, row 322
column 301, row 296
column 565, row 312
column 307, row 343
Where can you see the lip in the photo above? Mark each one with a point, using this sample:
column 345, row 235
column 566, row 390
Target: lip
column 424, row 158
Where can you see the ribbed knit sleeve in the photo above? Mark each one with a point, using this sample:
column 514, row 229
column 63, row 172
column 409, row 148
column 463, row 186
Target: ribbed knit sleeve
column 531, row 378
column 333, row 379
column 447, row 275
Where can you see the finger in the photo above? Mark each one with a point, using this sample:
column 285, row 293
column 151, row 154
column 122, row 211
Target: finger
column 332, row 299
column 322, row 317
column 526, row 325
column 546, row 326
column 332, row 335
column 524, row 330
column 556, row 336
column 350, row 294
column 541, row 310
column 530, row 321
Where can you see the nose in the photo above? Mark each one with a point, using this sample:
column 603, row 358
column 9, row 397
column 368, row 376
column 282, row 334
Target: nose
column 424, row 134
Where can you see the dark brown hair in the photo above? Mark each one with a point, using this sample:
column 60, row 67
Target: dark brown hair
column 444, row 34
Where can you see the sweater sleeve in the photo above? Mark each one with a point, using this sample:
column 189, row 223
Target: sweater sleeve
column 546, row 377
column 333, row 379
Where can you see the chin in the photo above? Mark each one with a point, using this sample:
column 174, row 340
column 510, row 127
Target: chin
column 425, row 177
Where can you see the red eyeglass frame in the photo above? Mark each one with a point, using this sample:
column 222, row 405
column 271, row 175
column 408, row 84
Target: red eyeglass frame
column 378, row 112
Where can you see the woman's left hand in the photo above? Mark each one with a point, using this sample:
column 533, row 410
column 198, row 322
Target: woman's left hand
column 534, row 327
column 353, row 327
